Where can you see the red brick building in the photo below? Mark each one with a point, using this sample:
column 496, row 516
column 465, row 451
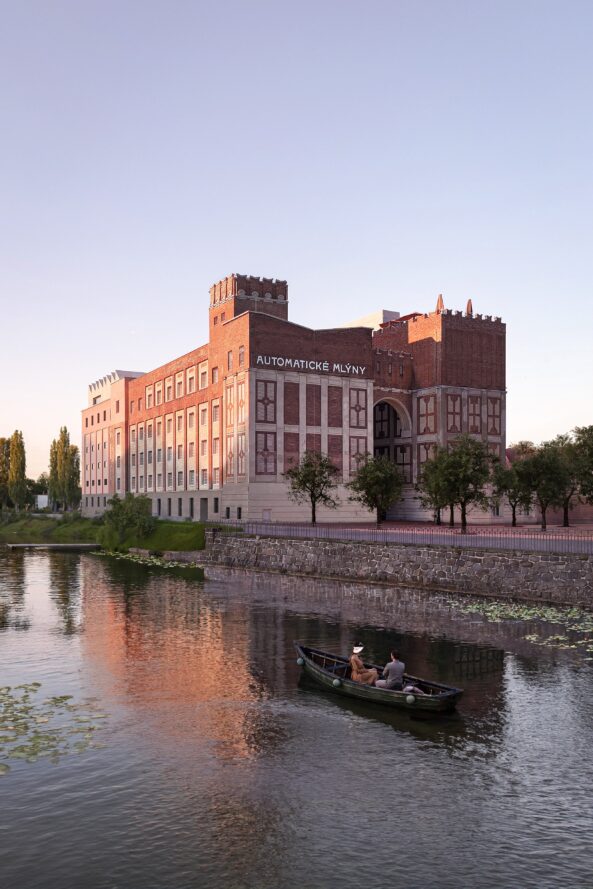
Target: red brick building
column 209, row 434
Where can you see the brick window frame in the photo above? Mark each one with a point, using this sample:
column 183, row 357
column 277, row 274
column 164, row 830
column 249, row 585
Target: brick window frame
column 494, row 416
column 265, row 411
column 454, row 413
column 358, row 408
column 474, row 414
column 358, row 446
column 426, row 415
column 265, row 453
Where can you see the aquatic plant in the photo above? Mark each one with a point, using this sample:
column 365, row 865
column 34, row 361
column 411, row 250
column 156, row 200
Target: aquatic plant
column 32, row 729
column 574, row 619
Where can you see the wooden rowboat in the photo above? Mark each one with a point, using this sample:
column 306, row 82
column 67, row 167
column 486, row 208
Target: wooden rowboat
column 332, row 672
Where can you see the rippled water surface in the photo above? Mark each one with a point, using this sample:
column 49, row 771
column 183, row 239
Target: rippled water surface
column 220, row 769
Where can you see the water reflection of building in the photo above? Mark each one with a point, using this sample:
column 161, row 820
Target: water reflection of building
column 174, row 652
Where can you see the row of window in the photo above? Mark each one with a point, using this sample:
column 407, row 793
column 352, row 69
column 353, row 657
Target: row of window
column 215, row 506
column 184, row 383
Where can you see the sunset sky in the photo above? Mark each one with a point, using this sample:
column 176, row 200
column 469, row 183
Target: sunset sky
column 374, row 154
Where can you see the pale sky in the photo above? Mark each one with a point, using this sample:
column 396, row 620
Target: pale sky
column 374, row 154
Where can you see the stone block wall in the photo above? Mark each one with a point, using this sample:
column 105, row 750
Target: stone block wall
column 534, row 577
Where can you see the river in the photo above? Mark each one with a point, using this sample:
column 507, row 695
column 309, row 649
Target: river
column 217, row 767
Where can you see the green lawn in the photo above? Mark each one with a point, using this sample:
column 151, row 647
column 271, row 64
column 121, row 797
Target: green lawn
column 44, row 529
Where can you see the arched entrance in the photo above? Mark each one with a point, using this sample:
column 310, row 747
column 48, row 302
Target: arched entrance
column 392, row 435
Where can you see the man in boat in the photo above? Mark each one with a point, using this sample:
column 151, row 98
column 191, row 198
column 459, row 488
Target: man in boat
column 359, row 671
column 393, row 674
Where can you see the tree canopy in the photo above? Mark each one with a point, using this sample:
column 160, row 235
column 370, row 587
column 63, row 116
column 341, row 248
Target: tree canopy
column 314, row 479
column 377, row 484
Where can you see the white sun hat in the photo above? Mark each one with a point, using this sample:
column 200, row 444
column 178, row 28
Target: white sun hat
column 357, row 649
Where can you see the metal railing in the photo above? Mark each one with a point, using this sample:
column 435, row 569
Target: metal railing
column 555, row 540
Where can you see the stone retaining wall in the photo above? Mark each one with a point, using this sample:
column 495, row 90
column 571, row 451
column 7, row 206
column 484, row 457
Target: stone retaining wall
column 534, row 577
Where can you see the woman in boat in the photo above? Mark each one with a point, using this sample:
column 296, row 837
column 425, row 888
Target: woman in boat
column 359, row 671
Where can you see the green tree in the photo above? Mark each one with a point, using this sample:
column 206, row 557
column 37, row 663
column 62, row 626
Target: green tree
column 314, row 478
column 4, row 471
column 583, row 438
column 509, row 482
column 377, row 484
column 130, row 517
column 570, row 455
column 459, row 477
column 433, row 483
column 17, row 479
column 53, row 487
column 546, row 475
column 64, row 471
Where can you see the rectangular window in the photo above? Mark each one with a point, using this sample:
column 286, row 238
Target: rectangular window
column 191, row 382
column 358, row 408
column 358, row 448
column 169, row 454
column 493, row 416
column 265, row 453
column 169, row 479
column 159, row 428
column 190, row 449
column 215, row 412
column 204, row 478
column 141, row 458
column 180, row 423
column 141, row 481
column 403, row 458
column 179, row 506
column 215, row 443
column 133, row 436
column 203, row 416
column 131, row 408
column 118, row 484
column 203, row 447
column 180, row 479
column 150, row 481
column 241, row 402
column 190, row 420
column 118, row 462
column 158, row 395
column 133, row 459
column 148, row 400
column 454, row 413
column 169, row 392
column 169, row 425
column 149, row 430
column 168, row 506
column 241, row 453
column 159, row 455
column 117, row 407
column 214, row 375
column 230, row 459
column 180, row 452
column 239, row 512
column 265, row 401
column 474, row 414
column 192, row 476
column 133, row 483
column 241, row 356
column 426, row 415
column 159, row 479
column 141, row 434
column 230, row 406
column 179, row 392
column 229, row 360
column 203, row 379
column 216, row 476
column 215, row 507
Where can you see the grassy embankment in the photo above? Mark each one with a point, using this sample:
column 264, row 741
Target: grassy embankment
column 44, row 529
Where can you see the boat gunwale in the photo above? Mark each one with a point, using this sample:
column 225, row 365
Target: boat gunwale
column 448, row 694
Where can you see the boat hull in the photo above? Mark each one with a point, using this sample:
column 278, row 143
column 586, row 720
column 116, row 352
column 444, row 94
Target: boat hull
column 443, row 701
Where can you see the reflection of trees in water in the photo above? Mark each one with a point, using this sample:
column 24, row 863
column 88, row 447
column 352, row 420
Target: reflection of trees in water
column 65, row 589
column 12, row 591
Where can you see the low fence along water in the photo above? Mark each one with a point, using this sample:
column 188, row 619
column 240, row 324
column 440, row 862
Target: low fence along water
column 556, row 540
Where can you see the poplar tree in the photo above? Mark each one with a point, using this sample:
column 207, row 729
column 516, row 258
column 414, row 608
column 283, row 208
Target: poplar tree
column 4, row 466
column 17, row 479
column 64, row 471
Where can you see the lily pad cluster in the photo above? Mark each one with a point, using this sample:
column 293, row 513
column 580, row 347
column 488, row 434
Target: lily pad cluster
column 577, row 622
column 153, row 561
column 31, row 729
